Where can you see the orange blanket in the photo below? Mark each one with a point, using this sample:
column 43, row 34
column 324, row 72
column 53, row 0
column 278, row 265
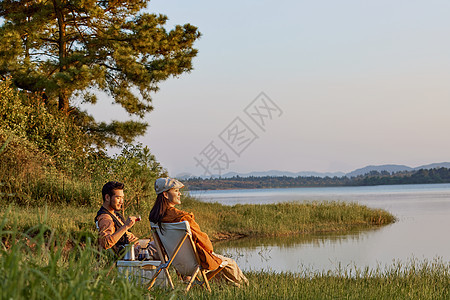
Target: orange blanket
column 204, row 246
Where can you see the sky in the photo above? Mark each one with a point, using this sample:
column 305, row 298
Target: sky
column 326, row 86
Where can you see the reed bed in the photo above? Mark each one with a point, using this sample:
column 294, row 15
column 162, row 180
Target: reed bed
column 284, row 218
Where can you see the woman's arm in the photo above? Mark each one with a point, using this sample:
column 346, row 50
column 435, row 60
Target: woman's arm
column 197, row 235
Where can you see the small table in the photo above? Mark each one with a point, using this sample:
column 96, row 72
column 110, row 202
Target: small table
column 141, row 271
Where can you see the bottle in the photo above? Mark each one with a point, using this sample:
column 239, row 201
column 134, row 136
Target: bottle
column 141, row 255
column 129, row 254
column 146, row 254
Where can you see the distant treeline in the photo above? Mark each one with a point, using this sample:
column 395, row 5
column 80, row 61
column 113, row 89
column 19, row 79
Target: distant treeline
column 439, row 175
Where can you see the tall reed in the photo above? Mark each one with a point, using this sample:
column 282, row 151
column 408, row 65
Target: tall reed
column 40, row 264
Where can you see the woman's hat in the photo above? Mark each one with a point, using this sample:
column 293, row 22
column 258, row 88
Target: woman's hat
column 165, row 184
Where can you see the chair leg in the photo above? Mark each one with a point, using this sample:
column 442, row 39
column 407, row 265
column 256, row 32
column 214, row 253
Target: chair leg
column 152, row 282
column 169, row 279
column 193, row 276
column 206, row 280
column 166, row 272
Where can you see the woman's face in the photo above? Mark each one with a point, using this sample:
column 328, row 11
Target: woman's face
column 174, row 196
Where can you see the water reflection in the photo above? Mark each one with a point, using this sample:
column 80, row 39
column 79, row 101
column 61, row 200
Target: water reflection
column 297, row 253
column 294, row 240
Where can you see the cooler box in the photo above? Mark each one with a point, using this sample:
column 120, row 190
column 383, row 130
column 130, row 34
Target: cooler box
column 141, row 271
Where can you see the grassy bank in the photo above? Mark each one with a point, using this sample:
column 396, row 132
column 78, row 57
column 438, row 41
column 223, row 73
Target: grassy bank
column 40, row 266
column 284, row 218
column 219, row 221
column 414, row 280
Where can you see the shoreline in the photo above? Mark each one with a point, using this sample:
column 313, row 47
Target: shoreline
column 231, row 236
column 311, row 187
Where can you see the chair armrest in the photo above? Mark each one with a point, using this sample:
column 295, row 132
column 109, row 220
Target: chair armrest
column 223, row 264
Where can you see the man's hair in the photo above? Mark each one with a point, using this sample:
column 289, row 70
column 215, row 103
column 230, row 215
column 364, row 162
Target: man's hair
column 110, row 187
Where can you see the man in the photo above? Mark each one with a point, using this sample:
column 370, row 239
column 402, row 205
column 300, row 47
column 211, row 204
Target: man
column 112, row 227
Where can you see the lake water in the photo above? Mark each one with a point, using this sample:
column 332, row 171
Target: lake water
column 421, row 232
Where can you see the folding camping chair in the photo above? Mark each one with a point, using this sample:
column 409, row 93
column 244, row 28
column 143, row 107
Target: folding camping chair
column 175, row 247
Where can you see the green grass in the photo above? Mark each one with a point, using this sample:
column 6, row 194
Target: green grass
column 415, row 280
column 40, row 266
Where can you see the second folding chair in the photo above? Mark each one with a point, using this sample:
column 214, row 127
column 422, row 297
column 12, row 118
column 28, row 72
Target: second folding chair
column 176, row 248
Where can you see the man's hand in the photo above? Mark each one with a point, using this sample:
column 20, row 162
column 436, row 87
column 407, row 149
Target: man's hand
column 130, row 222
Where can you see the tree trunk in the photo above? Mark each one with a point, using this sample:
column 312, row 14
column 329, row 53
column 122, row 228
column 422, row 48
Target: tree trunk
column 63, row 100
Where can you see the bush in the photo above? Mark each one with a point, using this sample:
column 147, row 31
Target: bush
column 138, row 169
column 47, row 158
column 54, row 133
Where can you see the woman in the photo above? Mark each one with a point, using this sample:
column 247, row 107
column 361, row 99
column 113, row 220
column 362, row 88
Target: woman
column 164, row 211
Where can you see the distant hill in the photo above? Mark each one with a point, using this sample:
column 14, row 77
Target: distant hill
column 391, row 168
column 434, row 166
column 395, row 168
column 374, row 177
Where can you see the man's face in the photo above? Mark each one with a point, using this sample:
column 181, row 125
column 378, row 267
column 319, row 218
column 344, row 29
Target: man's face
column 116, row 200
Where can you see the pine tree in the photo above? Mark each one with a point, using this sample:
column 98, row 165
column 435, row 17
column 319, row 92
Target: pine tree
column 70, row 48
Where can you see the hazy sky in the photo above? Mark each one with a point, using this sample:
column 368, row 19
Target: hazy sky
column 349, row 84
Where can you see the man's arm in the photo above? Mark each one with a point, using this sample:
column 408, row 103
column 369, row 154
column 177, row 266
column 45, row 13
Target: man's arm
column 108, row 236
